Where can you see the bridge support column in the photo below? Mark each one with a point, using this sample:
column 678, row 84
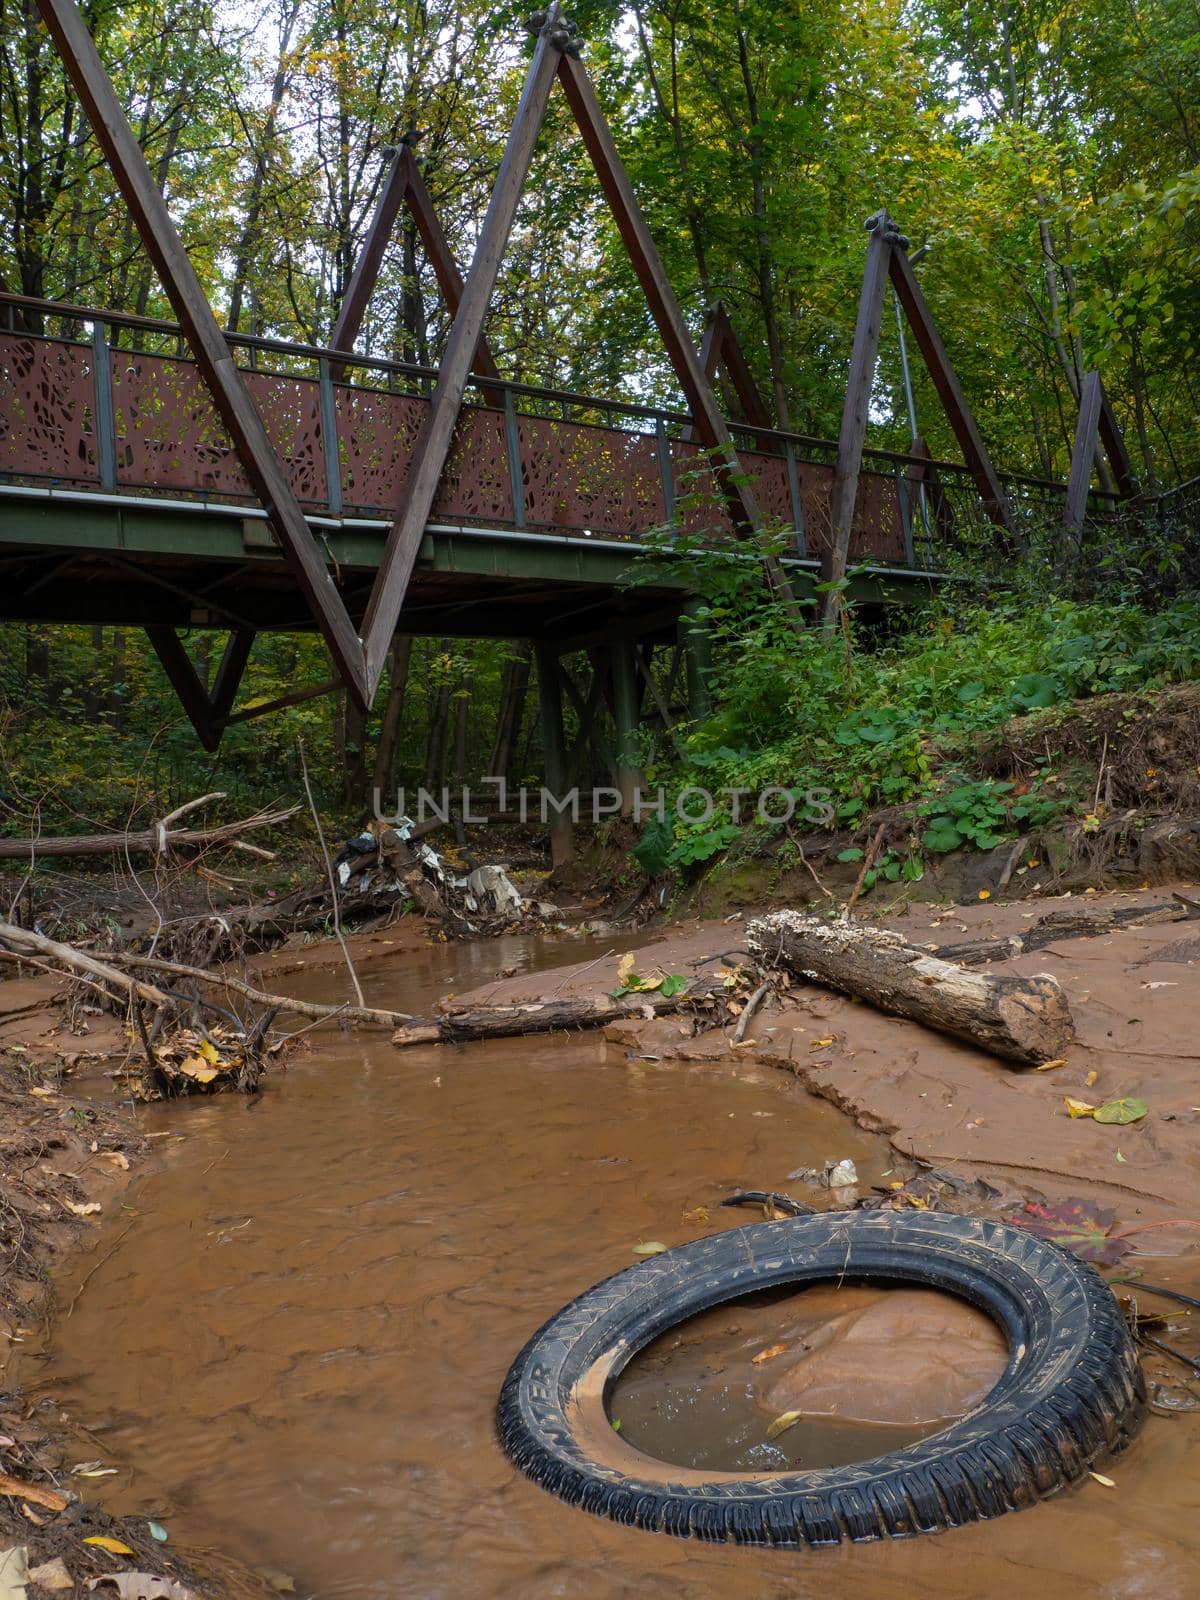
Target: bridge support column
column 697, row 655
column 627, row 712
column 554, row 751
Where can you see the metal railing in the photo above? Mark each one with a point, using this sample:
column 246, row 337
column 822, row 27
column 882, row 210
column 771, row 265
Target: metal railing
column 913, row 522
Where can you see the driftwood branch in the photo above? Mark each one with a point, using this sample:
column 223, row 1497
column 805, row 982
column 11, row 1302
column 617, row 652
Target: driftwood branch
column 459, row 1024
column 1026, row 1020
column 23, row 943
column 156, row 840
column 1074, row 922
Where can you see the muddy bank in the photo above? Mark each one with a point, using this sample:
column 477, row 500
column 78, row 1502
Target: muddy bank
column 1134, row 995
column 65, row 1168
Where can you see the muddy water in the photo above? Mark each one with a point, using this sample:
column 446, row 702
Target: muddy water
column 292, row 1343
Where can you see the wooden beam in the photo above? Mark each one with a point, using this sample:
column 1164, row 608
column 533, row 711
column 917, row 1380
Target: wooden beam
column 437, row 431
column 1083, row 453
column 843, row 491
column 282, row 702
column 945, row 381
column 711, row 428
column 402, row 185
column 720, row 351
column 214, row 362
column 441, row 259
column 370, row 258
column 1113, row 441
column 206, row 712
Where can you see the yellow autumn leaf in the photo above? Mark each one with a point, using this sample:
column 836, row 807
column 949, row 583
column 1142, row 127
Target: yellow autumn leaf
column 1078, row 1108
column 1048, row 1066
column 113, row 1546
column 819, row 1044
column 210, row 1053
column 985, row 894
column 625, row 969
column 1108, row 1483
column 785, row 1420
column 1090, row 1079
column 769, row 1353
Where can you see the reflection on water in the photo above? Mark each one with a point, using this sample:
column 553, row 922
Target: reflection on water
column 297, row 1347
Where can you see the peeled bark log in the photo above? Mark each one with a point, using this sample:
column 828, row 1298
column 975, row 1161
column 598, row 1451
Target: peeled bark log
column 463, row 1023
column 1026, row 1020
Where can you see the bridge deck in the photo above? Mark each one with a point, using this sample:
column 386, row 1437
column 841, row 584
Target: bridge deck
column 122, row 500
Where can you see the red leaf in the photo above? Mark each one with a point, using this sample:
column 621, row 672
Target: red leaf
column 1075, row 1225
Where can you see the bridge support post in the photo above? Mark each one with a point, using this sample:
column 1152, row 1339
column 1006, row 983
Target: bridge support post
column 627, row 715
column 697, row 655
column 554, row 751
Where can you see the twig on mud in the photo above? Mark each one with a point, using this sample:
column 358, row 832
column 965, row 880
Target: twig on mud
column 1170, row 1350
column 96, row 1265
column 579, row 974
column 337, row 920
column 866, row 867
column 748, row 1010
column 807, row 864
column 1100, row 774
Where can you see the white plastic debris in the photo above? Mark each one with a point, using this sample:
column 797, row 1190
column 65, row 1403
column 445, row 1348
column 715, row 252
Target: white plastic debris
column 842, row 1175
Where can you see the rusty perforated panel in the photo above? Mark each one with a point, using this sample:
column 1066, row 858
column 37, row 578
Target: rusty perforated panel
column 580, row 477
column 46, row 428
column 475, row 486
column 576, row 477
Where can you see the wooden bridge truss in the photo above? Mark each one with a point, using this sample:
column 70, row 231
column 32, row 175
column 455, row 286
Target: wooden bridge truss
column 290, row 445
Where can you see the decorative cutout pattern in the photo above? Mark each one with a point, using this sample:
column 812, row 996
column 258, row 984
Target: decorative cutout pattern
column 589, row 479
column 376, row 434
column 475, row 486
column 576, row 477
column 46, row 427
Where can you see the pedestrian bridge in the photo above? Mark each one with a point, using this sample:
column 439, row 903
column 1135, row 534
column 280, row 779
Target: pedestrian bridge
column 122, row 499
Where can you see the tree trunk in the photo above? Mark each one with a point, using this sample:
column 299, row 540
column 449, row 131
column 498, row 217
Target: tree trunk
column 1026, row 1020
column 435, row 744
column 384, row 778
column 514, row 685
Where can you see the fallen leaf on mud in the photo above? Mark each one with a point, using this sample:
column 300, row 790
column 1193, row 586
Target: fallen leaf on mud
column 88, row 1210
column 625, row 967
column 43, row 1093
column 1100, row 1478
column 785, row 1420
column 50, row 1498
column 1076, row 1225
column 1122, row 1111
column 14, row 1570
column 92, row 1469
column 1049, row 1066
column 210, row 1052
column 697, row 1214
column 52, row 1575
column 157, row 1531
column 819, row 1044
column 197, row 1067
column 769, row 1353
column 279, row 1581
column 1090, row 1079
column 652, row 1248
column 1078, row 1108
column 1120, row 1157
column 117, row 1158
column 113, row 1546
column 143, row 1586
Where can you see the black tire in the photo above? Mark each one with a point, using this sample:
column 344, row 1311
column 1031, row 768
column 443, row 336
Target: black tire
column 1072, row 1391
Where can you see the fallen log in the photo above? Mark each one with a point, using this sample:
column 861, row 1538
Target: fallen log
column 459, row 1024
column 1026, row 1020
column 158, row 839
column 1074, row 922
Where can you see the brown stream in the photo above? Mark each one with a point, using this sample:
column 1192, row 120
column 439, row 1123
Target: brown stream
column 293, row 1346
